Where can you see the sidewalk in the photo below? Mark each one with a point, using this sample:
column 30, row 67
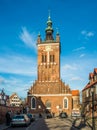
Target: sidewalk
column 89, row 123
column 3, row 126
column 79, row 123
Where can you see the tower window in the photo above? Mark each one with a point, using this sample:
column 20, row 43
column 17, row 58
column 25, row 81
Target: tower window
column 52, row 58
column 44, row 58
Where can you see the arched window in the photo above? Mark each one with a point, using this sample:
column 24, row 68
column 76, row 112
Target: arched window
column 65, row 103
column 52, row 58
column 48, row 104
column 33, row 103
column 44, row 58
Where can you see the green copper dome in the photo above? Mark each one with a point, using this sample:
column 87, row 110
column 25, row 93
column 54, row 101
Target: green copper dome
column 49, row 25
column 49, row 29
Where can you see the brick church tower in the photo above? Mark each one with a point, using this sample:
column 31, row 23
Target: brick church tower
column 49, row 93
column 48, row 56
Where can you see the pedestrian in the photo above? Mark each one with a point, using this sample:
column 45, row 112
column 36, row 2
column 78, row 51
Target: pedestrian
column 40, row 116
column 7, row 118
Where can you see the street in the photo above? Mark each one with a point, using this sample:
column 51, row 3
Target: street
column 48, row 124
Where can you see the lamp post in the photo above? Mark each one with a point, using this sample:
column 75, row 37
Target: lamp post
column 93, row 121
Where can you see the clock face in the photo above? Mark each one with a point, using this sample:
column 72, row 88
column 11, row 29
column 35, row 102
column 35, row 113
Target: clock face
column 48, row 48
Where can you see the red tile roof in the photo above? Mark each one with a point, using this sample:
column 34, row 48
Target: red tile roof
column 91, row 75
column 95, row 70
column 75, row 92
column 89, row 85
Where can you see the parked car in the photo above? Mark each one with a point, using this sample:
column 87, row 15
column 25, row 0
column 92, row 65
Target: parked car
column 63, row 115
column 49, row 115
column 19, row 120
column 31, row 117
column 76, row 114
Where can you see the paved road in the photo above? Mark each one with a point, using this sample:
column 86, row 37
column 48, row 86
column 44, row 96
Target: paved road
column 52, row 124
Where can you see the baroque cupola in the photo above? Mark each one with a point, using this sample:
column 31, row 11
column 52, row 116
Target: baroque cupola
column 49, row 30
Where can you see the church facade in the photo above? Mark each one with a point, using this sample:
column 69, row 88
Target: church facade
column 49, row 93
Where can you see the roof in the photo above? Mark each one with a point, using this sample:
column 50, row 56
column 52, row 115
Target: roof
column 75, row 92
column 95, row 70
column 91, row 76
column 89, row 85
column 13, row 95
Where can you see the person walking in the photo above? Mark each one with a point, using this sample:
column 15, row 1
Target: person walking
column 8, row 118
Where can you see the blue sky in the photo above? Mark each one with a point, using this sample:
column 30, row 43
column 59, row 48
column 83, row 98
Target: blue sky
column 20, row 23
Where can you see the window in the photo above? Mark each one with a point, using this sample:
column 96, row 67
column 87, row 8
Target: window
column 52, row 58
column 95, row 88
column 48, row 104
column 95, row 78
column 65, row 103
column 44, row 58
column 87, row 93
column 33, row 103
column 87, row 108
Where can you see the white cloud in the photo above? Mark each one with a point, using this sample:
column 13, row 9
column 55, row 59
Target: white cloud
column 87, row 34
column 18, row 65
column 69, row 67
column 1, row 80
column 28, row 38
column 83, row 32
column 82, row 55
column 90, row 34
column 76, row 79
column 16, row 84
column 79, row 49
column 76, row 72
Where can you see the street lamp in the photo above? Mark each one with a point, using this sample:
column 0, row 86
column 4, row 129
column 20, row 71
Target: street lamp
column 93, row 121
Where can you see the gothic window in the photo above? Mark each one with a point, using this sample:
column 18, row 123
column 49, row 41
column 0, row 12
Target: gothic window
column 48, row 104
column 44, row 58
column 66, row 103
column 33, row 103
column 52, row 58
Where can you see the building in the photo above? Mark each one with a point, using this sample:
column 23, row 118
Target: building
column 89, row 95
column 15, row 100
column 76, row 103
column 49, row 92
column 4, row 99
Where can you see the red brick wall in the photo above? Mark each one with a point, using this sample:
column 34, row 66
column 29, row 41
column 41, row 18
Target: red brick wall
column 4, row 109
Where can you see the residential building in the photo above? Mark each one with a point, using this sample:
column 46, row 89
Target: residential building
column 3, row 98
column 89, row 95
column 76, row 103
column 49, row 92
column 15, row 100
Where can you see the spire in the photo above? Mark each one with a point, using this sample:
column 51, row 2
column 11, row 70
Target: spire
column 49, row 29
column 39, row 38
column 57, row 31
column 57, row 36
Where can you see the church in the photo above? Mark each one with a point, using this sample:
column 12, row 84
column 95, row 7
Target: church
column 49, row 93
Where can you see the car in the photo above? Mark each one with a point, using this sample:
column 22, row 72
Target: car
column 20, row 120
column 49, row 115
column 31, row 117
column 63, row 115
column 76, row 114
